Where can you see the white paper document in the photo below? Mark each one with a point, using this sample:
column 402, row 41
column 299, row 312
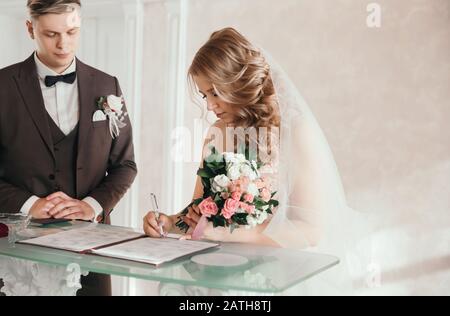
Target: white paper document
column 154, row 251
column 121, row 243
column 85, row 239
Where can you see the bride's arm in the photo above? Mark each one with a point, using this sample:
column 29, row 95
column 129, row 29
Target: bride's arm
column 198, row 193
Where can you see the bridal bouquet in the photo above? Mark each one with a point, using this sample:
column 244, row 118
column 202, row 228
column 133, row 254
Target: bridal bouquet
column 234, row 192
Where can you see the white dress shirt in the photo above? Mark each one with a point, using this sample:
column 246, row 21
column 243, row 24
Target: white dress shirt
column 62, row 104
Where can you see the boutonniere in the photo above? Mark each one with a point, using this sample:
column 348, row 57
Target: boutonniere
column 111, row 107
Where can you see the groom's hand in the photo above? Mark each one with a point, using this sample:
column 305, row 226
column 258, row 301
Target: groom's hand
column 40, row 209
column 70, row 208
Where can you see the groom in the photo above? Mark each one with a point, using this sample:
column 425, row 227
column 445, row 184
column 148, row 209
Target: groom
column 58, row 156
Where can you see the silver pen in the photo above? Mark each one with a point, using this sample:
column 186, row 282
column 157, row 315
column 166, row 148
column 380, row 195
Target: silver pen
column 155, row 208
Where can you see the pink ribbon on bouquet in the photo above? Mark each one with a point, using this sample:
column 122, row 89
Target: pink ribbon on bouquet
column 197, row 234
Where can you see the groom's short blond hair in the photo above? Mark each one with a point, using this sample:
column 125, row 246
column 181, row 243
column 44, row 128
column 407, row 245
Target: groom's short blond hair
column 38, row 8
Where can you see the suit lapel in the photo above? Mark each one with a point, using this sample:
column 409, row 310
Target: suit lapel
column 87, row 96
column 30, row 89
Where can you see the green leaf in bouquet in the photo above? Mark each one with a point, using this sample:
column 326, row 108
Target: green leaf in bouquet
column 197, row 201
column 219, row 221
column 217, row 198
column 214, row 157
column 233, row 227
column 274, row 203
column 240, row 219
column 259, row 203
column 215, row 169
column 205, row 173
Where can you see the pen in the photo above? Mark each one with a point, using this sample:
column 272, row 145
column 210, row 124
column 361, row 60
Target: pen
column 155, row 207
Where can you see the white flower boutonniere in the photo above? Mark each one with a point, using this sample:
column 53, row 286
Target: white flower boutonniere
column 112, row 106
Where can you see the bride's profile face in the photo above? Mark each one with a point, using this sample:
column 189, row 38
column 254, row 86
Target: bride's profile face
column 220, row 108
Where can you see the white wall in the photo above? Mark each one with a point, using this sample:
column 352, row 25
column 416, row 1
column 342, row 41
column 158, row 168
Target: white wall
column 13, row 30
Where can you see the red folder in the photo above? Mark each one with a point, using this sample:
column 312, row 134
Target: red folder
column 3, row 230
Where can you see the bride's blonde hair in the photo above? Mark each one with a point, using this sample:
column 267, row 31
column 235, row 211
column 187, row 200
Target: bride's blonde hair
column 240, row 77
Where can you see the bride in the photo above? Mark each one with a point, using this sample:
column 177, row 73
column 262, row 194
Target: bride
column 249, row 92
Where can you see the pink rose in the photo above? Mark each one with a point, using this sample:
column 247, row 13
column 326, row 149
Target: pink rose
column 236, row 195
column 208, row 207
column 239, row 185
column 266, row 195
column 230, row 208
column 250, row 209
column 260, row 184
column 245, row 182
column 249, row 198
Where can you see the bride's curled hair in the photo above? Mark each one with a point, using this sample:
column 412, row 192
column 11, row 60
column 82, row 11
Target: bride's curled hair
column 240, row 77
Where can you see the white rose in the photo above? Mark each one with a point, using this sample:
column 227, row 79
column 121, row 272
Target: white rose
column 240, row 158
column 232, row 158
column 251, row 221
column 262, row 216
column 220, row 183
column 229, row 157
column 253, row 189
column 247, row 171
column 234, row 172
column 115, row 104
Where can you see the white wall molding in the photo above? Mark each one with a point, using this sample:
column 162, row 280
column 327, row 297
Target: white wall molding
column 176, row 88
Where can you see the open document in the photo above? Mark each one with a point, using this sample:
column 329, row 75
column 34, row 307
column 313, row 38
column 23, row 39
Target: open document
column 154, row 251
column 121, row 243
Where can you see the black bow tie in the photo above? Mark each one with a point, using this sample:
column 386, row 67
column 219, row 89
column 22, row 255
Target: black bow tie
column 52, row 80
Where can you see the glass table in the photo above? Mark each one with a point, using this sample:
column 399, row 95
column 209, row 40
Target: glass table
column 263, row 270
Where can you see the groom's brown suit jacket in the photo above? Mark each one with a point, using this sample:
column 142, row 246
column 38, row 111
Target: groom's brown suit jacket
column 104, row 168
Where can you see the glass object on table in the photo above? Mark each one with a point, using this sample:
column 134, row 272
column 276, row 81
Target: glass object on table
column 14, row 224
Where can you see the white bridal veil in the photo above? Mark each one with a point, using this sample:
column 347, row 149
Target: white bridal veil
column 313, row 212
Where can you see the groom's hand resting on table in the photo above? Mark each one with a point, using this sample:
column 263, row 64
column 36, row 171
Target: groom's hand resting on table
column 40, row 209
column 69, row 208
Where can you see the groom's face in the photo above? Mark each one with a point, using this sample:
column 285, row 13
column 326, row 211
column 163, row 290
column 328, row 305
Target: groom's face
column 57, row 38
